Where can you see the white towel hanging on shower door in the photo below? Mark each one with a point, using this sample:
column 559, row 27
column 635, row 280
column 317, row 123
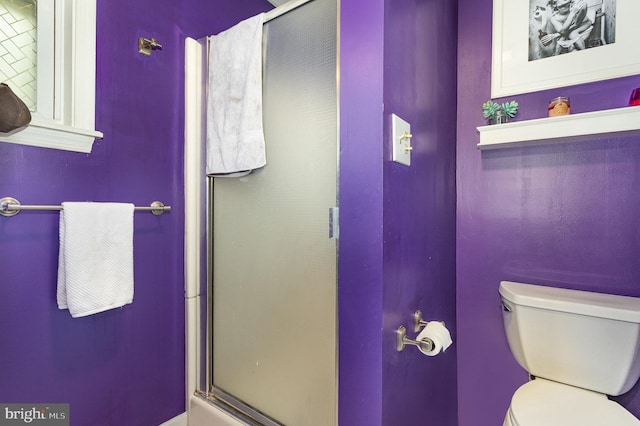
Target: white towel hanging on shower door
column 235, row 137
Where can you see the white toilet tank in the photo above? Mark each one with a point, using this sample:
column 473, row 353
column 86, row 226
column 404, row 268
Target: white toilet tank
column 585, row 339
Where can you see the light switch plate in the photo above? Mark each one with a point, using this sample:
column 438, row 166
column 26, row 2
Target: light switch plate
column 401, row 140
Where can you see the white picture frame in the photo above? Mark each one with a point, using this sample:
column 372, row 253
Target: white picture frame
column 513, row 73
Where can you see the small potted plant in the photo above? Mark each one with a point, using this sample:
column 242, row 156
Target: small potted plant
column 510, row 109
column 499, row 113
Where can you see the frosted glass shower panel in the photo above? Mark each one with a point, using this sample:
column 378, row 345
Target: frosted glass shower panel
column 274, row 265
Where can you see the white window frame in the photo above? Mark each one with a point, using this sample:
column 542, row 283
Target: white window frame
column 65, row 116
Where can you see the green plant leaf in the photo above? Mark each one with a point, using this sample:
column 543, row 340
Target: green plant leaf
column 510, row 108
column 490, row 109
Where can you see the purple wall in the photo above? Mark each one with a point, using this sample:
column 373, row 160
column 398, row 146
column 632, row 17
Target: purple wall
column 419, row 208
column 360, row 188
column 562, row 215
column 124, row 366
column 397, row 224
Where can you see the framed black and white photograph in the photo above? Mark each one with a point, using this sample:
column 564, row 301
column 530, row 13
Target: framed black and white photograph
column 543, row 44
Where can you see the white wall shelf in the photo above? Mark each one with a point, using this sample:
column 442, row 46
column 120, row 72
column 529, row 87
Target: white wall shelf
column 567, row 128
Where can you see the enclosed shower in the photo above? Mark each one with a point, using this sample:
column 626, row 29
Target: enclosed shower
column 262, row 249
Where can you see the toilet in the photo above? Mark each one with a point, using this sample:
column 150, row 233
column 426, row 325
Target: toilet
column 578, row 347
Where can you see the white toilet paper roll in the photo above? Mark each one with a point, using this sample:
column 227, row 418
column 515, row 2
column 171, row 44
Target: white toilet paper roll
column 439, row 335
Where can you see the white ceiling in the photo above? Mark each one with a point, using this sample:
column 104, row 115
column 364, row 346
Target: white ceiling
column 278, row 2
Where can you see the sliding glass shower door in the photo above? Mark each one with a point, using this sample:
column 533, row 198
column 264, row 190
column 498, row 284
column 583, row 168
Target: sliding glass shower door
column 274, row 263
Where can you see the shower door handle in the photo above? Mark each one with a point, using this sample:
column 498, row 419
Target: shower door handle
column 334, row 227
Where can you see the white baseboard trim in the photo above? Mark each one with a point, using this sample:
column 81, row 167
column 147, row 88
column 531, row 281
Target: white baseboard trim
column 179, row 420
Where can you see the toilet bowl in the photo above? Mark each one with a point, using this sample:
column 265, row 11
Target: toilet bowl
column 543, row 402
column 579, row 347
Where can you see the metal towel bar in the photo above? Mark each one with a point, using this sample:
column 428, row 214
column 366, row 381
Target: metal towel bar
column 9, row 206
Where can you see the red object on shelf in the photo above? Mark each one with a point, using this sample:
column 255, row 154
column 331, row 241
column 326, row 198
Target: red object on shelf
column 635, row 97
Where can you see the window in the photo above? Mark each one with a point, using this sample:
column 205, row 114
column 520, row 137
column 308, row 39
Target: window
column 62, row 93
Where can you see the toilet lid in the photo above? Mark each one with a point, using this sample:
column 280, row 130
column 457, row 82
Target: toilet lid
column 543, row 402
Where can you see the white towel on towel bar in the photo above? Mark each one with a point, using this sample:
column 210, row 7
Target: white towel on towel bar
column 235, row 136
column 95, row 263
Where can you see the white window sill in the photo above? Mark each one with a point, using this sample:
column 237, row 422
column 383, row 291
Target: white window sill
column 46, row 134
column 567, row 128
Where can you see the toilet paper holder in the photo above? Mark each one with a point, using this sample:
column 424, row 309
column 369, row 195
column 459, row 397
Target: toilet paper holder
column 425, row 344
column 418, row 322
